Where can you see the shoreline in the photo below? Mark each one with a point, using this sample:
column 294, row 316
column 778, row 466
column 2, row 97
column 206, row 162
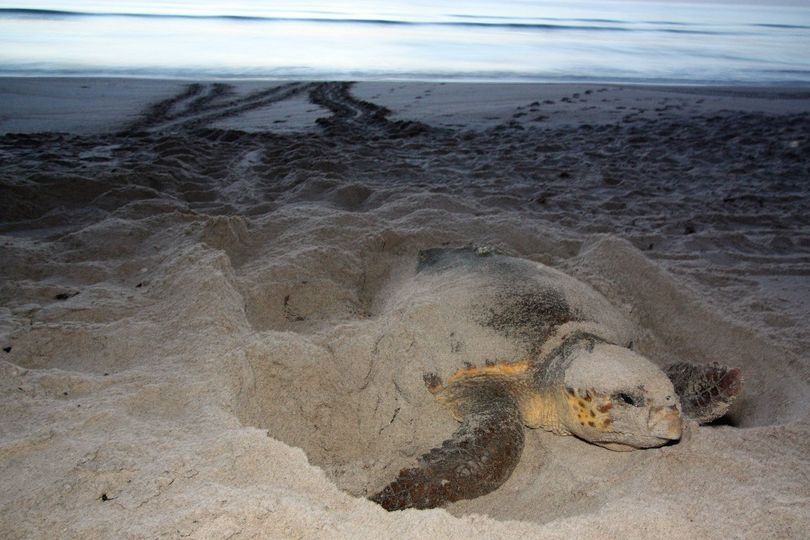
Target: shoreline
column 419, row 79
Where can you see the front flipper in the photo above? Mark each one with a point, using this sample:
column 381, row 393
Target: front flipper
column 479, row 457
column 706, row 391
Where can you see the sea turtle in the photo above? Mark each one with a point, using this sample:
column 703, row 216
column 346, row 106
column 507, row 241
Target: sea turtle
column 577, row 374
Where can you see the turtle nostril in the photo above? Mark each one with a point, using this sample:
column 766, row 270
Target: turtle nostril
column 665, row 422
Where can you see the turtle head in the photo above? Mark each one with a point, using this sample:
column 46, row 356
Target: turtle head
column 615, row 398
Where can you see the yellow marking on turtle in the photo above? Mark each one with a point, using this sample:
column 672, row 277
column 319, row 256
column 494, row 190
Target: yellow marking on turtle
column 507, row 369
column 590, row 408
column 537, row 409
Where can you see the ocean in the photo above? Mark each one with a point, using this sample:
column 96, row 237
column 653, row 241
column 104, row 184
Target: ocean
column 443, row 40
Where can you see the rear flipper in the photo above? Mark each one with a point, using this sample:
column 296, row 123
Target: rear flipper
column 706, row 391
column 479, row 457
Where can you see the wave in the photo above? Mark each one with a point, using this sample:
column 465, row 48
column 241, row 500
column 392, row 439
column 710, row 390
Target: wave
column 597, row 25
column 785, row 26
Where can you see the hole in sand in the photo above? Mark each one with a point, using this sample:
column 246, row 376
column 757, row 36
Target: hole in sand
column 315, row 289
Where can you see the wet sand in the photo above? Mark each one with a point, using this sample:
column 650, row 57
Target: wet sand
column 195, row 330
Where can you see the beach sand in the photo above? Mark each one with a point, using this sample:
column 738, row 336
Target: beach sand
column 195, row 329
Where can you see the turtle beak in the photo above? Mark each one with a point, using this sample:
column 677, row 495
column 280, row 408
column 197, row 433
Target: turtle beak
column 665, row 422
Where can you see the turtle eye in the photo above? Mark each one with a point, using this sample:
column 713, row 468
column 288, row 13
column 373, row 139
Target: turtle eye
column 629, row 399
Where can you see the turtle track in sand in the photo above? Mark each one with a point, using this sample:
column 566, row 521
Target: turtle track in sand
column 200, row 105
column 353, row 116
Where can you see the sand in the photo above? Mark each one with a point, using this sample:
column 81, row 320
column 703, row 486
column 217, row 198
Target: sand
column 196, row 325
